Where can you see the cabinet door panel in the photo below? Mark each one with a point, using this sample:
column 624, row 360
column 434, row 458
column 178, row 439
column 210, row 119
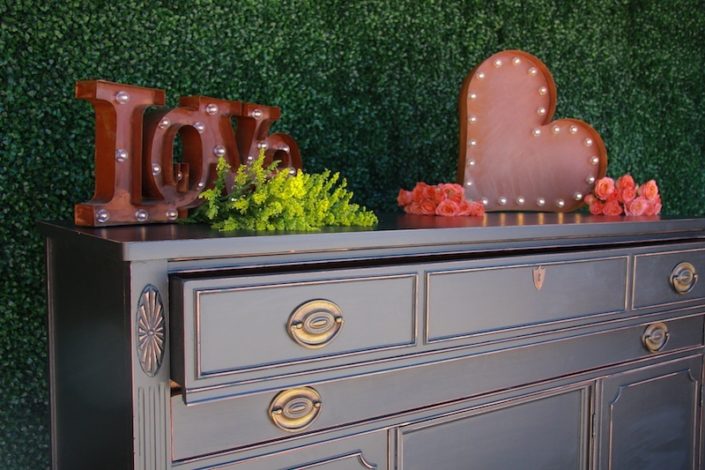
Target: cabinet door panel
column 544, row 432
column 649, row 417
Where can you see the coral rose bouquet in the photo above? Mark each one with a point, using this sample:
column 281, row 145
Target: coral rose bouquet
column 623, row 196
column 446, row 199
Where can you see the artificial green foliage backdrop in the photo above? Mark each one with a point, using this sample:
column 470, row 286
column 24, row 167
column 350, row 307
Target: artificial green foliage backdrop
column 368, row 88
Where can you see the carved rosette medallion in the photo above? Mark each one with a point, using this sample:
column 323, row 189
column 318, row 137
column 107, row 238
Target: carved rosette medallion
column 150, row 330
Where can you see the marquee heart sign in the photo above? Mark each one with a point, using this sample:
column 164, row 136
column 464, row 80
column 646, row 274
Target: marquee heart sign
column 512, row 155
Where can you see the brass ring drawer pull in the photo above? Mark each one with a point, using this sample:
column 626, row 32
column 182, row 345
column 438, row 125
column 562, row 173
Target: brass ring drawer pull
column 683, row 278
column 315, row 323
column 295, row 409
column 655, row 337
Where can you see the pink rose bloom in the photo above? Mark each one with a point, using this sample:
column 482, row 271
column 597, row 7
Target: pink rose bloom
column 654, row 206
column 604, row 187
column 464, row 207
column 649, row 190
column 625, row 181
column 427, row 207
column 477, row 209
column 448, row 208
column 596, row 207
column 454, row 192
column 413, row 208
column 431, row 193
column 588, row 199
column 612, row 208
column 638, row 206
column 625, row 188
column 626, row 195
column 614, row 196
column 404, row 198
column 471, row 208
column 419, row 192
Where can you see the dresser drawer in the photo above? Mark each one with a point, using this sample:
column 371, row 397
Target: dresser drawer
column 361, row 451
column 226, row 326
column 668, row 278
column 217, row 426
column 480, row 300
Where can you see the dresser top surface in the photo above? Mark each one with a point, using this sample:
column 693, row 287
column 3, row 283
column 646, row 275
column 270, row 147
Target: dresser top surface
column 404, row 234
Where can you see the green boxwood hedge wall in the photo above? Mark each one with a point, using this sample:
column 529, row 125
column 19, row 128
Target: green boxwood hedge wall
column 368, row 88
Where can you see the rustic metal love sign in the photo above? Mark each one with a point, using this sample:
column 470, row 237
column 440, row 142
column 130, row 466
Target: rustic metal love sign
column 137, row 179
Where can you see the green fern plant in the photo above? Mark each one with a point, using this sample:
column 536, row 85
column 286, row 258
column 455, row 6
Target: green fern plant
column 263, row 198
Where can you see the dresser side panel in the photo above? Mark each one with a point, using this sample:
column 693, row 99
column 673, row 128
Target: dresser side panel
column 89, row 358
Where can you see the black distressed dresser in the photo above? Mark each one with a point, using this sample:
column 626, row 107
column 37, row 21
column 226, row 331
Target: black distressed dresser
column 517, row 341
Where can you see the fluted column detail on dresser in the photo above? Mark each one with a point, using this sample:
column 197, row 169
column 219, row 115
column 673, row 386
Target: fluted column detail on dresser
column 152, row 425
column 150, row 366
